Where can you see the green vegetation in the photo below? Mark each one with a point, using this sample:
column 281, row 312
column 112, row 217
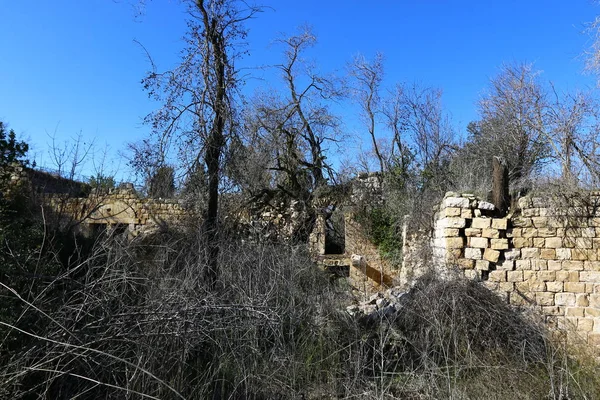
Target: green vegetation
column 384, row 231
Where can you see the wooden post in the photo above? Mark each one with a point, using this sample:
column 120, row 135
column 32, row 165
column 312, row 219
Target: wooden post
column 500, row 196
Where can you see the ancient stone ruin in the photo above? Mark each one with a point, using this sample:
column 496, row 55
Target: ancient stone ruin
column 546, row 254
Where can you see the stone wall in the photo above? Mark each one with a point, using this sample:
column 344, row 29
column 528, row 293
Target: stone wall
column 545, row 255
column 120, row 207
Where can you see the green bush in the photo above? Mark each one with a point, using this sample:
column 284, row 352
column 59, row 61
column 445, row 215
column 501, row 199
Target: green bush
column 384, row 232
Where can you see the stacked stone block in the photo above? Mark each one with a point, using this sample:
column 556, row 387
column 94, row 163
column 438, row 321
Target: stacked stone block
column 467, row 235
column 119, row 207
column 546, row 255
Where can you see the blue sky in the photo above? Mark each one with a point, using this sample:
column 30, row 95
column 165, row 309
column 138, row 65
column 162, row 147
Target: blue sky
column 72, row 66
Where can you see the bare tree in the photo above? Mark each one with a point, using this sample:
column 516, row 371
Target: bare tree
column 292, row 128
column 198, row 100
column 368, row 76
column 418, row 114
column 71, row 156
column 513, row 126
column 573, row 134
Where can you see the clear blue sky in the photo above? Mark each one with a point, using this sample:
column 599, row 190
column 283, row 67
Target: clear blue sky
column 72, row 66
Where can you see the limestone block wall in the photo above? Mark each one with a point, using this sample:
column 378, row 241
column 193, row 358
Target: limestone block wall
column 119, row 207
column 546, row 255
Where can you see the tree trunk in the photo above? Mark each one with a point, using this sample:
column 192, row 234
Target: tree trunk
column 500, row 195
column 214, row 148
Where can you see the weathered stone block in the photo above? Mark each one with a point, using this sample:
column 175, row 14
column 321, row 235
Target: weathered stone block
column 523, row 265
column 490, row 233
column 491, row 255
column 554, row 242
column 466, row 213
column 584, row 243
column 466, row 263
column 594, row 339
column 572, row 265
column 506, row 286
column 584, row 254
column 522, row 287
column 500, row 223
column 554, row 287
column 450, row 232
column 478, row 242
column 499, row 244
column 546, row 276
column 473, row 253
column 552, row 310
column 514, row 276
column 569, row 241
column 591, row 265
column 521, row 222
column 531, row 212
column 588, row 232
column 472, row 274
column 521, row 242
column 529, row 232
column 517, row 299
column 451, row 212
column 582, row 299
column 539, row 265
column 594, row 300
column 512, row 254
column 455, row 242
column 484, row 205
column 472, row 232
column 546, row 232
column 567, row 276
column 539, row 222
column 482, row 265
column 548, row 254
column 453, row 254
column 538, row 242
column 589, row 276
column 585, row 325
column 530, row 252
column 554, row 265
column 491, row 285
column 481, row 223
column 525, row 202
column 506, row 265
column 574, row 287
column 544, row 298
column 592, row 312
column 497, row 276
column 575, row 311
column 596, row 328
column 563, row 254
column 455, row 202
column 452, row 222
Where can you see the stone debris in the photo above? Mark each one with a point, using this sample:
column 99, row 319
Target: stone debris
column 386, row 302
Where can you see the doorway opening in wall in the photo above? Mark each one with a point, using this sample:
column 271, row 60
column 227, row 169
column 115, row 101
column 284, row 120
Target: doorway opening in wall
column 96, row 230
column 118, row 230
column 335, row 231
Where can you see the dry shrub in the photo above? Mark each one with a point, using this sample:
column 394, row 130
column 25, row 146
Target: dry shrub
column 141, row 323
column 135, row 320
column 454, row 338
